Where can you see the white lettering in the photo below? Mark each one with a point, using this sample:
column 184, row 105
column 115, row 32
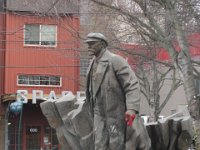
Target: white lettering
column 22, row 96
column 80, row 95
column 66, row 92
column 36, row 94
column 33, row 130
column 52, row 95
column 39, row 94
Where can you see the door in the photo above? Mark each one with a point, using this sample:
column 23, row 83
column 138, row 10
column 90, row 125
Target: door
column 50, row 140
column 33, row 137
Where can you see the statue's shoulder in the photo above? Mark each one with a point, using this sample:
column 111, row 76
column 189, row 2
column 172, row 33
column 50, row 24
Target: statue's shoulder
column 115, row 58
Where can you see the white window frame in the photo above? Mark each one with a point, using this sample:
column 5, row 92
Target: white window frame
column 38, row 85
column 40, row 26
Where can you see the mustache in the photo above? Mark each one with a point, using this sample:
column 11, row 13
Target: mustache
column 91, row 52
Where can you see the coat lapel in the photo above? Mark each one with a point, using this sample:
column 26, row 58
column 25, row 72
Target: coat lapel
column 101, row 70
column 100, row 73
column 88, row 77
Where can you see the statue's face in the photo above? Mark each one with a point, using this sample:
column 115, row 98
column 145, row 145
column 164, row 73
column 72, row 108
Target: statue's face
column 94, row 47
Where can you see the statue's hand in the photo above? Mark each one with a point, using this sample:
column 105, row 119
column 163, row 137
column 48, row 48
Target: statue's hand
column 129, row 117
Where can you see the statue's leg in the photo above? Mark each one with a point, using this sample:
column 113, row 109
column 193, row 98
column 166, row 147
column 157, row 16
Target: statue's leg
column 116, row 130
column 100, row 133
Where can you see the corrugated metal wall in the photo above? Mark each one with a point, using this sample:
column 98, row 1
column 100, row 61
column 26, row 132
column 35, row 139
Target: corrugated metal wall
column 60, row 60
column 2, row 51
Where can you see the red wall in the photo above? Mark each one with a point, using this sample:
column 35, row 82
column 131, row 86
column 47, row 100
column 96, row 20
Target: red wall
column 61, row 60
column 193, row 41
column 2, row 48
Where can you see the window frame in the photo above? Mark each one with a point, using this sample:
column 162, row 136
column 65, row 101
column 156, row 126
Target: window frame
column 40, row 35
column 39, row 80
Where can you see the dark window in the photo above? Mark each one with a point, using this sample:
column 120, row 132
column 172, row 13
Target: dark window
column 39, row 80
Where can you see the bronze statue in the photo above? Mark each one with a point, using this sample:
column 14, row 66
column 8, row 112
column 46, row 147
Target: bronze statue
column 108, row 119
column 113, row 97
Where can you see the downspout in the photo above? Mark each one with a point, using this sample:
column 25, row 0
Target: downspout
column 6, row 126
column 7, row 109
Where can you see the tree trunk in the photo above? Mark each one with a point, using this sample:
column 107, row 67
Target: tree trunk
column 185, row 71
column 184, row 66
column 152, row 110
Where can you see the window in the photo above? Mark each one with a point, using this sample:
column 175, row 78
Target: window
column 14, row 134
column 50, row 139
column 39, row 80
column 40, row 35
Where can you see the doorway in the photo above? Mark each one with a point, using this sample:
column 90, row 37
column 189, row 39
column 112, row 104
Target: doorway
column 33, row 137
column 40, row 137
column 35, row 132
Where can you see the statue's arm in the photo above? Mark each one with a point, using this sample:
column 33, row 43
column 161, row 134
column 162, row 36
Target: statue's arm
column 128, row 82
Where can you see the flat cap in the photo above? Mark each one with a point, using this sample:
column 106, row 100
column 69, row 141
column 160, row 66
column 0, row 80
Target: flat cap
column 96, row 37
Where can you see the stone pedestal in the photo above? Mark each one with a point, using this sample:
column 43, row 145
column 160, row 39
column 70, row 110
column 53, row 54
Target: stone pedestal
column 171, row 134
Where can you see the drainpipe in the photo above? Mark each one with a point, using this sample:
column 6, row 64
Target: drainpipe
column 19, row 127
column 7, row 109
column 17, row 108
column 6, row 126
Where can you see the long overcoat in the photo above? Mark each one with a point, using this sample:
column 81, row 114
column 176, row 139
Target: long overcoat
column 116, row 89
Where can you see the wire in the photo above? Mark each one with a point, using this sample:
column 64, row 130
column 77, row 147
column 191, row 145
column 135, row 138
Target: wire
column 56, row 66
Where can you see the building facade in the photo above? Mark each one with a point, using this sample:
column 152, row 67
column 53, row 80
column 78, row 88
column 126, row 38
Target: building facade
column 39, row 61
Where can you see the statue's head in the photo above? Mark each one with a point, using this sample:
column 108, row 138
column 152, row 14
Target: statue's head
column 91, row 37
column 96, row 42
